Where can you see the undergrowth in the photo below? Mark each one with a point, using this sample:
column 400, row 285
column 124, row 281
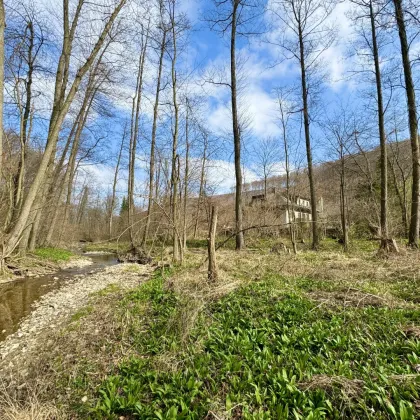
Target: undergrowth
column 263, row 351
column 53, row 254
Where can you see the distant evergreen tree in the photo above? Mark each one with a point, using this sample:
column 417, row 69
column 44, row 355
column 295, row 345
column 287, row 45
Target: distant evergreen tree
column 124, row 206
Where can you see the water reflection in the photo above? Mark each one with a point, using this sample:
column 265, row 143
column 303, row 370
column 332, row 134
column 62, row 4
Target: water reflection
column 16, row 298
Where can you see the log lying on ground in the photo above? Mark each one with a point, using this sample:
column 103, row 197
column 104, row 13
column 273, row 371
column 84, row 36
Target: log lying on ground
column 135, row 255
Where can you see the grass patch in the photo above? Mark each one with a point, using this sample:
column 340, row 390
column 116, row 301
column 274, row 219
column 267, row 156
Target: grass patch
column 263, row 352
column 53, row 254
column 82, row 313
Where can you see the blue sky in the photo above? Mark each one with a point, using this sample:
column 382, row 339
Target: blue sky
column 206, row 51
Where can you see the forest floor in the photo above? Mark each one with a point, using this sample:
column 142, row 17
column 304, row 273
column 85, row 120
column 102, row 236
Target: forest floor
column 317, row 335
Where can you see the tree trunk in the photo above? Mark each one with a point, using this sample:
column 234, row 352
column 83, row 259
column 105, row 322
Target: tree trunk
column 2, row 27
column 62, row 102
column 114, row 187
column 289, row 208
column 382, row 135
column 211, row 246
column 134, row 135
column 24, row 133
column 153, row 141
column 201, row 190
column 315, row 233
column 344, row 225
column 186, row 178
column 175, row 156
column 240, row 244
column 413, row 234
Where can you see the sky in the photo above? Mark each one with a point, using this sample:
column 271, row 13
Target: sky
column 262, row 68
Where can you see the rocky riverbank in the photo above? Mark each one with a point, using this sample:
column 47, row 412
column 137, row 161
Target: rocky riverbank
column 32, row 266
column 56, row 308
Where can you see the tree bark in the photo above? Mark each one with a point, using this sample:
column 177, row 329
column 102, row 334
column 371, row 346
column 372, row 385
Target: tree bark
column 153, row 140
column 62, row 102
column 175, row 156
column 289, row 208
column 413, row 234
column 134, row 135
column 186, row 176
column 2, row 27
column 315, row 233
column 201, row 190
column 344, row 223
column 26, row 119
column 240, row 244
column 114, row 187
column 382, row 135
column 211, row 247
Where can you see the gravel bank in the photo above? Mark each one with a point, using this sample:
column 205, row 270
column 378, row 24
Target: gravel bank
column 56, row 307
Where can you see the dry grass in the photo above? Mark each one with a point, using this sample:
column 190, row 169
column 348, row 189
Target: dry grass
column 412, row 331
column 366, row 273
column 350, row 388
column 354, row 298
column 29, row 409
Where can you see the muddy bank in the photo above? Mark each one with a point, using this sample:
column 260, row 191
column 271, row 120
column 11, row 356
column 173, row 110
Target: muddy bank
column 55, row 308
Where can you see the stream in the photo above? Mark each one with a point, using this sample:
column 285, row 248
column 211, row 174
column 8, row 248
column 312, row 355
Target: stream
column 17, row 297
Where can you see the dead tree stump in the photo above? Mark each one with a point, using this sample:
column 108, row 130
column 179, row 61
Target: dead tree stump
column 211, row 246
column 389, row 245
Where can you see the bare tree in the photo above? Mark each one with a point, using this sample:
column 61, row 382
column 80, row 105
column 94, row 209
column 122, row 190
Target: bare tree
column 413, row 235
column 236, row 17
column 186, row 173
column 114, row 185
column 310, row 36
column 267, row 157
column 369, row 18
column 135, row 115
column 2, row 26
column 28, row 39
column 63, row 97
column 178, row 26
column 285, row 114
column 204, row 157
column 162, row 36
column 339, row 130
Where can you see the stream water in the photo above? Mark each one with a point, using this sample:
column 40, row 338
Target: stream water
column 17, row 297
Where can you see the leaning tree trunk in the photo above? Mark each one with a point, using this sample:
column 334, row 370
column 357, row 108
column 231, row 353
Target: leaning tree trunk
column 315, row 233
column 63, row 98
column 413, row 234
